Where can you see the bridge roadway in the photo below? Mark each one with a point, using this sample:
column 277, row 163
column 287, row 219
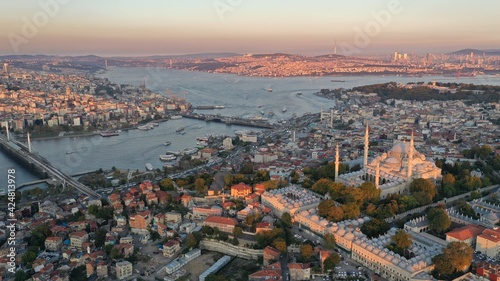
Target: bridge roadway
column 45, row 165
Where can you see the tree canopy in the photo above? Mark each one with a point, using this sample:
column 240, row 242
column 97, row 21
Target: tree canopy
column 439, row 220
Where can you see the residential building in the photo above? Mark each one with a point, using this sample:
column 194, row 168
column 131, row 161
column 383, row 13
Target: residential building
column 170, row 248
column 139, row 222
column 78, row 238
column 488, row 242
column 240, row 190
column 123, row 270
column 299, row 271
column 222, row 223
column 53, row 243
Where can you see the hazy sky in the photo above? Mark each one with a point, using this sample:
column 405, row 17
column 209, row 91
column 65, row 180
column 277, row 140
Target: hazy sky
column 148, row 27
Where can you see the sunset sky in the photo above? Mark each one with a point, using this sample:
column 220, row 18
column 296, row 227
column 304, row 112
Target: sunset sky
column 160, row 27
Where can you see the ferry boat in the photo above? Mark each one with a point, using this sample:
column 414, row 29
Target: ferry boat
column 167, row 157
column 145, row 127
column 109, row 134
column 149, row 167
column 176, row 153
column 167, row 143
column 175, row 117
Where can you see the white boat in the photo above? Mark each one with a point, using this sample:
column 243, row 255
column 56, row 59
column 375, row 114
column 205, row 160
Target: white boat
column 149, row 167
column 175, row 117
column 167, row 157
column 167, row 143
column 219, row 107
column 284, row 109
column 190, row 151
column 145, row 127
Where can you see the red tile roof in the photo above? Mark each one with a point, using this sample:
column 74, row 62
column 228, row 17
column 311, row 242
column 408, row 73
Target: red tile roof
column 492, row 235
column 466, row 232
column 221, row 220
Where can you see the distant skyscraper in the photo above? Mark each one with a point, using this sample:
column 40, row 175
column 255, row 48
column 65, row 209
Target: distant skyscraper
column 395, row 56
column 335, row 47
column 106, row 63
column 6, row 68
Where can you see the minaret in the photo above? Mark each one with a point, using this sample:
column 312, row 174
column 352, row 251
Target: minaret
column 367, row 142
column 337, row 163
column 29, row 142
column 410, row 158
column 377, row 175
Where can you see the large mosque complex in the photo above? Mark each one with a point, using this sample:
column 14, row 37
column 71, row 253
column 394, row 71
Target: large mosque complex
column 393, row 171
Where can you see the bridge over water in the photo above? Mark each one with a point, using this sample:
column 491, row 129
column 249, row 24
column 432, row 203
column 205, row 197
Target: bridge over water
column 21, row 153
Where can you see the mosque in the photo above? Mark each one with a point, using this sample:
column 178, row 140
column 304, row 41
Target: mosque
column 393, row 171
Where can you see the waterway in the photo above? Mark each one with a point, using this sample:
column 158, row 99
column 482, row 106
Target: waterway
column 241, row 96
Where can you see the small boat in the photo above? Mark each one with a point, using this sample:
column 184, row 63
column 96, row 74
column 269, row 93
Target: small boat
column 284, row 109
column 179, row 129
column 271, row 113
column 167, row 157
column 149, row 167
column 183, row 133
column 338, row 80
column 299, row 93
column 269, row 90
column 219, row 107
column 262, row 112
column 167, row 143
column 175, row 117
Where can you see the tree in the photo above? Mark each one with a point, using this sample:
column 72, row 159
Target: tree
column 423, row 190
column 336, row 214
column 402, row 240
column 20, row 275
column 199, row 185
column 370, row 191
column 448, row 180
column 331, row 261
column 374, row 228
column 237, row 231
column 322, row 186
column 351, row 210
column 459, row 254
column 286, row 219
column 306, row 251
column 280, row 244
column 115, row 253
column 28, row 257
column 406, row 203
column 442, row 266
column 191, row 241
column 78, row 274
column 325, row 207
column 100, row 237
column 439, row 220
column 330, row 241
column 247, row 168
column 166, row 184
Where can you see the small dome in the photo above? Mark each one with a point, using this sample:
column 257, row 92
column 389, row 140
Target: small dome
column 349, row 236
